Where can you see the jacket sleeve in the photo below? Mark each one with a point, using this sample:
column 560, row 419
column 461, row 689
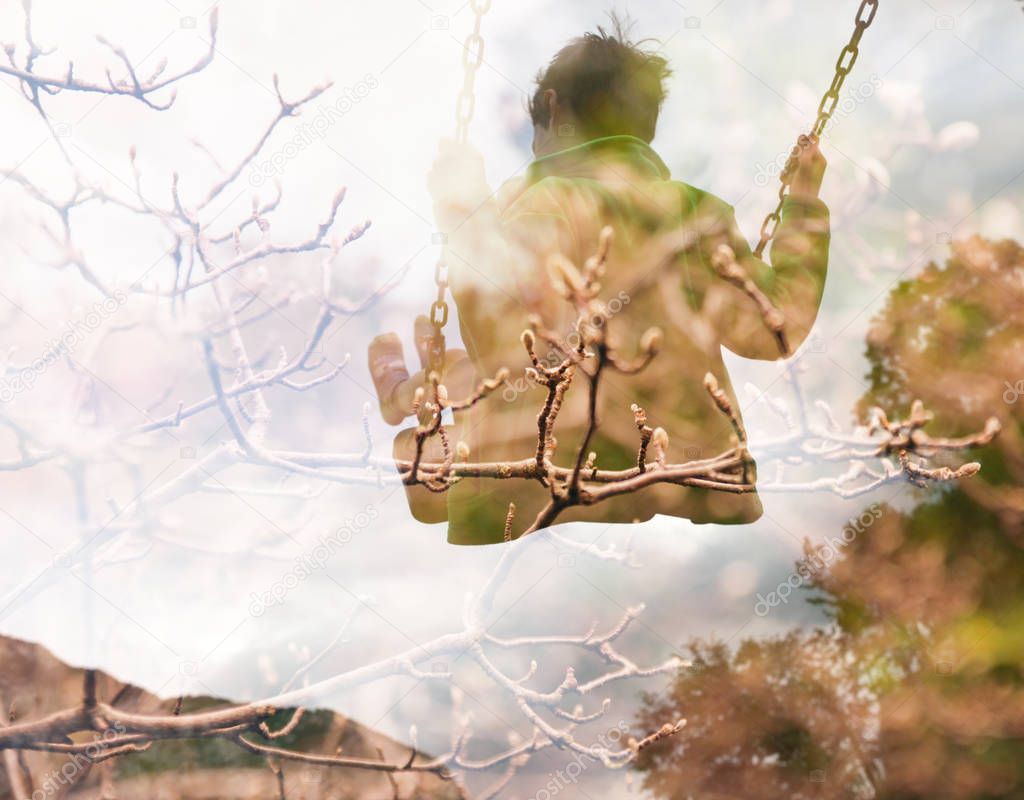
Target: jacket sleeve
column 794, row 282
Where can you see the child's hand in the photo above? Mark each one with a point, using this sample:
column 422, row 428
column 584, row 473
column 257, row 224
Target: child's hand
column 810, row 170
column 456, row 180
column 396, row 388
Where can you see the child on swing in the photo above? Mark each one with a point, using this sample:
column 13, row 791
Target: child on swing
column 594, row 113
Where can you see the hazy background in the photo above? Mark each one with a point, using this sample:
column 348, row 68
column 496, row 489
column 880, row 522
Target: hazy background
column 901, row 183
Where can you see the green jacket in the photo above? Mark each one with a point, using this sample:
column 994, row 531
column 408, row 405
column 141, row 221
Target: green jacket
column 499, row 278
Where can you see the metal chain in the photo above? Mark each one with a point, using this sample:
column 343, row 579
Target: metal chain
column 847, row 58
column 472, row 58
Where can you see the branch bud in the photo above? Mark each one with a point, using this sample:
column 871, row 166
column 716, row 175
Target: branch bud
column 650, row 342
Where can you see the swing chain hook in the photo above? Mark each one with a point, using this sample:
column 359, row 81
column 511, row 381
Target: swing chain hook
column 826, row 108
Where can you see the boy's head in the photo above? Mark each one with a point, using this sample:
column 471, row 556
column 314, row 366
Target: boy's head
column 600, row 84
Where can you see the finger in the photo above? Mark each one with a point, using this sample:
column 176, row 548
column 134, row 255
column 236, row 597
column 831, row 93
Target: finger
column 808, row 145
column 810, row 154
column 388, row 371
column 447, row 147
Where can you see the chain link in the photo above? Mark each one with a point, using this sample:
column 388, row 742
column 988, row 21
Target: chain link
column 829, row 102
column 465, row 105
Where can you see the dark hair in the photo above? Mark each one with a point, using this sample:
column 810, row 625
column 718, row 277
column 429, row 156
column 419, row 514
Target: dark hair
column 613, row 85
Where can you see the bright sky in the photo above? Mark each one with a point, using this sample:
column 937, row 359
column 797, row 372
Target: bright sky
column 747, row 75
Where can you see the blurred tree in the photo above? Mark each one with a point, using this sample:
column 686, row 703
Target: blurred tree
column 778, row 718
column 916, row 689
column 954, row 337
